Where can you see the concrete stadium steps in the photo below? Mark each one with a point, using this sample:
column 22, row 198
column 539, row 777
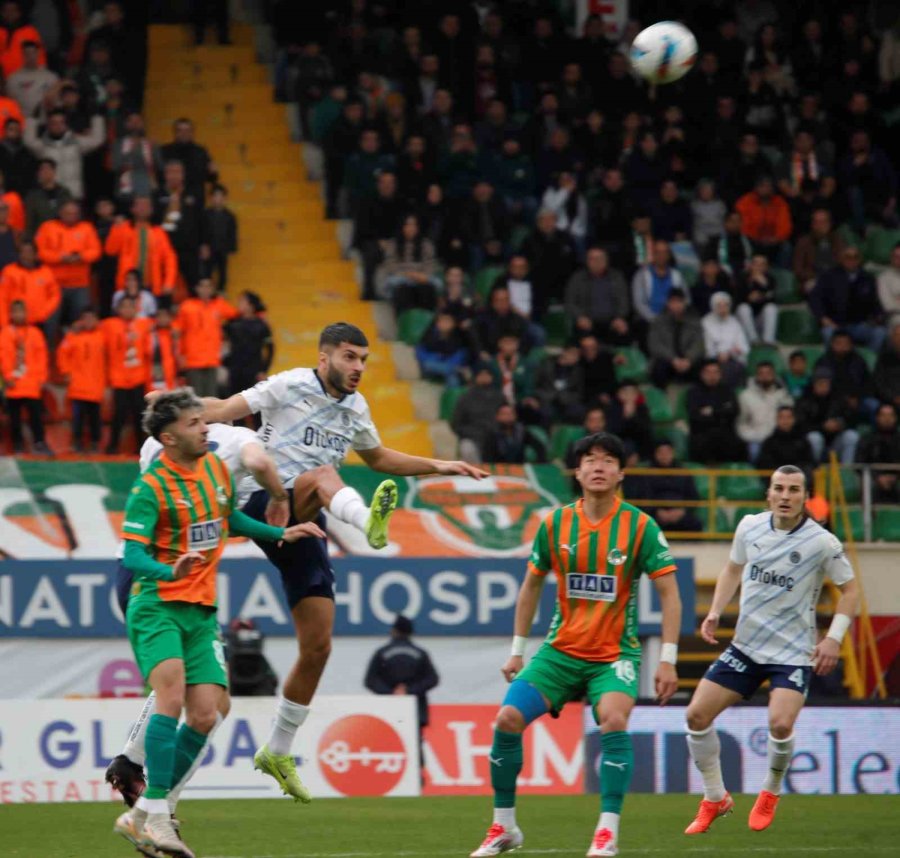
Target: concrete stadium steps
column 289, row 253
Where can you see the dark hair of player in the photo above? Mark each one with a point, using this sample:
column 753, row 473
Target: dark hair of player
column 791, row 469
column 605, row 441
column 342, row 332
column 167, row 408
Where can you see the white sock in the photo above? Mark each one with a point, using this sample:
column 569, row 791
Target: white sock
column 134, row 745
column 153, row 806
column 175, row 792
column 506, row 816
column 610, row 821
column 348, row 505
column 704, row 749
column 780, row 753
column 288, row 718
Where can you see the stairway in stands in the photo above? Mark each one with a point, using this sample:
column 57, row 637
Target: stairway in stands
column 289, row 252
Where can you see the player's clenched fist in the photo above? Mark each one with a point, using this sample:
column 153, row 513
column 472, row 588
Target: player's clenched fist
column 184, row 564
column 512, row 667
column 708, row 628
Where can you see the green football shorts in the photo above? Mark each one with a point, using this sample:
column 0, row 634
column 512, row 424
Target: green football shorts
column 562, row 678
column 159, row 630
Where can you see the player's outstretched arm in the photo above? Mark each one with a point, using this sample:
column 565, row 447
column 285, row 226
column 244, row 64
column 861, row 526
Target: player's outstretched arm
column 388, row 461
column 828, row 650
column 255, row 459
column 526, row 607
column 217, row 410
column 726, row 587
column 666, row 678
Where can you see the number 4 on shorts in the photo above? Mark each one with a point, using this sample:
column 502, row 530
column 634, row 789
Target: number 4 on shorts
column 797, row 678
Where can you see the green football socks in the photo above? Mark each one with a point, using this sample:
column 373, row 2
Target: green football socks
column 188, row 744
column 160, row 745
column 615, row 769
column 506, row 763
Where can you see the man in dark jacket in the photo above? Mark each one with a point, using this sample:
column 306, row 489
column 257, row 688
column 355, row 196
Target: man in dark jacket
column 883, row 446
column 669, row 487
column 850, row 376
column 377, row 220
column 473, row 415
column 180, row 214
column 846, row 297
column 676, row 342
column 886, row 378
column 509, row 442
column 610, row 218
column 559, row 386
column 827, row 419
column 496, row 321
column 551, row 255
column 198, row 165
column 17, row 163
column 788, row 444
column 597, row 300
column 712, row 410
column 220, row 229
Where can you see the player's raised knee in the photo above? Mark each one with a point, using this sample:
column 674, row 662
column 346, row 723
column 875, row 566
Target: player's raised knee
column 203, row 720
column 613, row 722
column 781, row 728
column 510, row 720
column 697, row 720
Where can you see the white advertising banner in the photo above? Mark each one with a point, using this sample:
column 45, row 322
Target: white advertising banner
column 58, row 750
column 838, row 749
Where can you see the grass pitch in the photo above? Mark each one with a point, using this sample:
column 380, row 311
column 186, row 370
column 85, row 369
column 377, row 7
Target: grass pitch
column 805, row 826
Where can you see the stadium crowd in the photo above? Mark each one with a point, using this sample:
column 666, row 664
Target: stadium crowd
column 565, row 245
column 113, row 247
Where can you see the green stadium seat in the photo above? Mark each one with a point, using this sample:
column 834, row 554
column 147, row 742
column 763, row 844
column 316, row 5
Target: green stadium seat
column 681, row 410
column 797, row 326
column 449, row 397
column 560, row 440
column 541, row 437
column 786, row 289
column 635, row 366
column 856, row 524
column 701, row 481
column 879, row 243
column 887, row 524
column 850, row 236
column 412, row 324
column 657, row 404
column 737, row 487
column 556, row 324
column 679, row 439
column 758, row 354
column 869, row 356
column 813, row 353
column 484, row 280
column 517, row 237
column 851, row 483
column 723, row 522
column 741, row 511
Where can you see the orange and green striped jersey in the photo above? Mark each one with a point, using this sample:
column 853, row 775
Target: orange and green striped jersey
column 598, row 566
column 174, row 510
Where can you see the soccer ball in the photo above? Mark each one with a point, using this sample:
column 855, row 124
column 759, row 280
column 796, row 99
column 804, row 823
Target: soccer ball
column 663, row 52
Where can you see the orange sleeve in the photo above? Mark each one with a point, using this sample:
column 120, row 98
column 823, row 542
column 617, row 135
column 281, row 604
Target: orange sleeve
column 64, row 355
column 40, row 351
column 785, row 227
column 16, row 217
column 227, row 310
column 4, row 300
column 169, row 262
column 48, row 243
column 7, row 354
column 115, row 241
column 91, row 251
column 53, row 295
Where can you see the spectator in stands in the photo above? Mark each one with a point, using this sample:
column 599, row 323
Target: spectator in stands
column 889, row 286
column 766, row 221
column 128, row 370
column 128, row 45
column 199, row 168
column 32, row 82
column 377, row 220
column 511, row 170
column 15, row 207
column 869, row 182
column 886, row 378
column 69, row 246
column 522, row 294
column 15, row 31
column 136, row 161
column 438, row 124
column 818, row 251
column 408, row 275
column 105, row 267
column 95, row 74
column 652, row 283
column 568, row 204
column 712, row 278
column 707, row 215
column 512, row 371
column 669, row 487
column 17, row 164
column 764, row 111
column 164, row 351
column 712, row 411
column 733, row 249
column 141, row 245
column 24, row 367
column 35, row 286
column 9, row 108
column 597, row 300
column 509, row 442
column 251, row 347
column 827, row 420
column 485, row 226
column 340, row 141
column 757, row 311
column 204, row 12
column 144, row 300
column 180, row 214
column 759, row 403
column 675, row 343
column 644, row 171
column 199, row 322
column 594, row 422
column 416, row 170
column 442, row 352
column 559, row 386
column 456, row 299
column 598, row 367
column 739, row 175
column 610, row 218
column 82, row 360
column 9, row 238
column 474, row 413
column 787, row 443
column 220, row 232
column 883, row 446
column 43, row 201
column 797, row 376
column 670, row 215
column 725, row 340
column 552, row 257
column 421, row 89
column 628, row 417
column 804, row 205
column 66, row 148
column 846, row 297
column 364, row 167
column 801, row 164
column 850, row 376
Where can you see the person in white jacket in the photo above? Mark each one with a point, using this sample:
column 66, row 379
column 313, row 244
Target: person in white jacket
column 759, row 403
column 62, row 145
column 725, row 339
column 570, row 208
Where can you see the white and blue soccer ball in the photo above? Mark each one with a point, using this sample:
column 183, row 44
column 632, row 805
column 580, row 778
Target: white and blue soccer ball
column 664, row 52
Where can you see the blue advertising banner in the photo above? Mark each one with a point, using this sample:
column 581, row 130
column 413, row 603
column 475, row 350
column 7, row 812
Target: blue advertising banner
column 445, row 597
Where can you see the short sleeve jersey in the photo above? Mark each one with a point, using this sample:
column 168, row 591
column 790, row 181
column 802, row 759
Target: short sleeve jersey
column 780, row 586
column 598, row 566
column 173, row 510
column 304, row 427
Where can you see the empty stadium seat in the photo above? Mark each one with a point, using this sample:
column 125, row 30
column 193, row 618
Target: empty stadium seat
column 449, row 397
column 679, row 439
column 412, row 324
column 739, row 487
column 879, row 243
column 562, row 437
column 797, row 326
column 760, row 353
column 556, row 324
column 541, row 437
column 635, row 366
column 856, row 524
column 484, row 280
column 701, row 481
column 869, row 356
column 786, row 289
column 887, row 524
column 657, row 404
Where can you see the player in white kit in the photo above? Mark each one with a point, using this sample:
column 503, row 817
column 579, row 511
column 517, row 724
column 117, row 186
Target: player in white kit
column 311, row 418
column 779, row 559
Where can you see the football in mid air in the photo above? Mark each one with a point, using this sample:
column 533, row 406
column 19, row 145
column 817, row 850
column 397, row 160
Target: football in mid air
column 664, row 52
